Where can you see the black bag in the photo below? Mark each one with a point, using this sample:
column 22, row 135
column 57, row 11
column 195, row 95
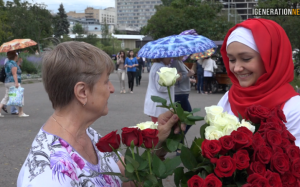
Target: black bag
column 2, row 75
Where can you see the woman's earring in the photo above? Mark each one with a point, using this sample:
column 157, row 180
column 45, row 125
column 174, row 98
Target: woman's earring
column 84, row 103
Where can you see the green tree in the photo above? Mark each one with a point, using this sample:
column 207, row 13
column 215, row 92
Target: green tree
column 188, row 14
column 105, row 33
column 29, row 20
column 77, row 28
column 61, row 24
column 4, row 26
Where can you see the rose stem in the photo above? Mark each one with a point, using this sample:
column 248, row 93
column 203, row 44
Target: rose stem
column 171, row 99
column 137, row 151
column 119, row 157
column 149, row 159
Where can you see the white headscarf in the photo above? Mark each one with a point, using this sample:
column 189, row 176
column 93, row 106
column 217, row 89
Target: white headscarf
column 244, row 36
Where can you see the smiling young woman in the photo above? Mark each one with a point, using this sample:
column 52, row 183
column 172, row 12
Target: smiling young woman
column 257, row 56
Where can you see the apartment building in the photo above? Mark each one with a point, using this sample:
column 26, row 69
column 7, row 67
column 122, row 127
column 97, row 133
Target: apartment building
column 134, row 14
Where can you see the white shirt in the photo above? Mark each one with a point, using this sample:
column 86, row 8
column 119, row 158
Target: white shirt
column 155, row 89
column 209, row 65
column 291, row 110
column 52, row 162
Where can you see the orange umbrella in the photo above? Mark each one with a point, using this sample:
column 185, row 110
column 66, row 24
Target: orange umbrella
column 16, row 44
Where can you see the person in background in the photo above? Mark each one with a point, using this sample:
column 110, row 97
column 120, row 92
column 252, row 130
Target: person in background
column 208, row 65
column 148, row 64
column 131, row 63
column 13, row 78
column 154, row 89
column 144, row 65
column 121, row 70
column 139, row 70
column 13, row 109
column 200, row 72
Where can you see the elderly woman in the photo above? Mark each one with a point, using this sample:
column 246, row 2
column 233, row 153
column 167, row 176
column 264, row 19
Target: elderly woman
column 13, row 78
column 76, row 78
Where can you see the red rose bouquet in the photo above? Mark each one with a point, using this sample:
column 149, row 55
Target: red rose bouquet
column 236, row 154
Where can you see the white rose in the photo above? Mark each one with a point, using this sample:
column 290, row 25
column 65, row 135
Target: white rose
column 213, row 133
column 248, row 125
column 147, row 125
column 231, row 118
column 212, row 112
column 220, row 122
column 167, row 76
column 227, row 130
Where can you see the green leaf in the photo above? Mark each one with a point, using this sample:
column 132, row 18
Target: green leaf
column 178, row 174
column 195, row 110
column 173, row 163
column 195, row 118
column 208, row 168
column 131, row 161
column 148, row 183
column 143, row 165
column 152, row 178
column 129, row 168
column 180, row 112
column 196, row 147
column 202, row 174
column 158, row 166
column 240, row 117
column 187, row 158
column 188, row 122
column 145, row 155
column 202, row 130
column 159, row 100
column 172, row 145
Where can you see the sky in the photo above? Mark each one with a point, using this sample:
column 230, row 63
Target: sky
column 75, row 5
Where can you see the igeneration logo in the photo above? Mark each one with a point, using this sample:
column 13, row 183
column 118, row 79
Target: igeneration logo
column 276, row 12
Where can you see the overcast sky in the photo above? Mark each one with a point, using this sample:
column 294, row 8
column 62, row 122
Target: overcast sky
column 75, row 5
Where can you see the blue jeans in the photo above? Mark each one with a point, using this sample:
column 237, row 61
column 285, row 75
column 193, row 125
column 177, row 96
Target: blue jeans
column 148, row 66
column 183, row 100
column 200, row 82
column 13, row 109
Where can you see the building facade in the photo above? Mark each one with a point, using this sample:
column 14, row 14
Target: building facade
column 238, row 10
column 134, row 14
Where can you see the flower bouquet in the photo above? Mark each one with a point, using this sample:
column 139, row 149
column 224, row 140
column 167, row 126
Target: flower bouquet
column 260, row 152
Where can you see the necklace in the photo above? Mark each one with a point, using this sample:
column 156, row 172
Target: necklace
column 73, row 137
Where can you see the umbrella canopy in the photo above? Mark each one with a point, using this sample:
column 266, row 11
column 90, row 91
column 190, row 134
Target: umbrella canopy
column 188, row 32
column 176, row 46
column 16, row 44
column 205, row 54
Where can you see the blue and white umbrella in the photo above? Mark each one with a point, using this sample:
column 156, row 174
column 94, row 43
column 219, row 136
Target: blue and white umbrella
column 176, row 46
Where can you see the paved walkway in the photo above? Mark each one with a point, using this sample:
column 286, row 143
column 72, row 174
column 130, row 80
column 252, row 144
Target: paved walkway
column 17, row 134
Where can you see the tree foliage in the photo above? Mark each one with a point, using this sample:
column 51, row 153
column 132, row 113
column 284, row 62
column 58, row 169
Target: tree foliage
column 27, row 20
column 188, row 14
column 5, row 32
column 61, row 24
column 105, row 33
column 77, row 28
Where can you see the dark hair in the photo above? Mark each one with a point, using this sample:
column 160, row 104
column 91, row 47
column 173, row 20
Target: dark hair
column 123, row 56
column 11, row 55
column 128, row 55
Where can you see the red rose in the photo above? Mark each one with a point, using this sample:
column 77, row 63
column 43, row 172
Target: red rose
column 257, row 113
column 263, row 154
column 212, row 181
column 291, row 137
column 225, row 166
column 279, row 113
column 242, row 159
column 132, row 134
column 150, row 138
column 257, row 141
column 296, row 168
column 258, row 167
column 274, row 119
column 289, row 180
column 293, row 152
column 195, row 181
column 258, row 180
column 210, row 148
column 246, row 131
column 285, row 143
column 280, row 163
column 273, row 178
column 277, row 149
column 265, row 126
column 241, row 140
column 227, row 144
column 274, row 137
column 110, row 140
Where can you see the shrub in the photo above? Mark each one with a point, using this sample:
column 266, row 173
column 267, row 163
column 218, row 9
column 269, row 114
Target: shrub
column 28, row 67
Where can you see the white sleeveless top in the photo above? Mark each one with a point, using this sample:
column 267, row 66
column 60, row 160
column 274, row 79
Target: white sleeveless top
column 291, row 110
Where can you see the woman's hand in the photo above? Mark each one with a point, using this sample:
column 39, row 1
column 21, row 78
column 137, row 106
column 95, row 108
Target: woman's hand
column 16, row 85
column 191, row 73
column 165, row 123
